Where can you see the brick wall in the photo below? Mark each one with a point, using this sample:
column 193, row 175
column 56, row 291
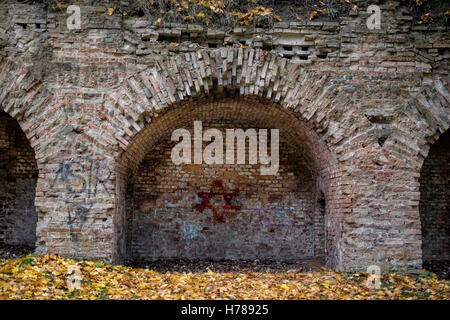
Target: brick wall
column 18, row 174
column 435, row 201
column 365, row 106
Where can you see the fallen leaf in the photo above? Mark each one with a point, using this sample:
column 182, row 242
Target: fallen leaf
column 313, row 15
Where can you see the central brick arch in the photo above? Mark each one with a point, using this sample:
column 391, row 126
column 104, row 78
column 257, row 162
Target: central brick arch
column 139, row 110
column 321, row 166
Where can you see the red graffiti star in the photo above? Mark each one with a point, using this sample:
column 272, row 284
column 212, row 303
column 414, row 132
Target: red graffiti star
column 218, row 212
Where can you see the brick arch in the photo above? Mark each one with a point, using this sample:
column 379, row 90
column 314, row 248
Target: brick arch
column 428, row 115
column 433, row 118
column 260, row 114
column 228, row 72
column 25, row 98
column 320, row 100
column 22, row 97
column 221, row 73
column 421, row 117
column 434, row 206
column 18, row 177
column 190, row 78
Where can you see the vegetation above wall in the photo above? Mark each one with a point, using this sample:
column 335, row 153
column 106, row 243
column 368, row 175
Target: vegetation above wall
column 259, row 13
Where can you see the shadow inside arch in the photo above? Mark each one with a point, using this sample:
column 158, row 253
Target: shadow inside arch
column 18, row 178
column 434, row 207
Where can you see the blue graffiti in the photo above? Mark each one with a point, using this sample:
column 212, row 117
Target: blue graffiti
column 282, row 210
column 185, row 199
column 94, row 173
column 190, row 232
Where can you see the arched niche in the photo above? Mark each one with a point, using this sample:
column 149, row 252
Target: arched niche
column 165, row 211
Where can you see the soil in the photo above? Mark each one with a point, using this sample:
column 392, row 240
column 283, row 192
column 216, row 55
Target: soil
column 440, row 268
column 13, row 252
column 241, row 266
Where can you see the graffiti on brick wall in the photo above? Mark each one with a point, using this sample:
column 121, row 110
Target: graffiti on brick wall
column 84, row 178
column 220, row 201
column 223, row 221
column 217, row 189
column 280, row 208
column 77, row 213
column 191, row 231
column 180, row 199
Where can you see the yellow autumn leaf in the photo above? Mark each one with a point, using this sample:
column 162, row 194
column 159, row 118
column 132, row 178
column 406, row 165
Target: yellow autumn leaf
column 110, row 11
column 313, row 15
column 278, row 18
column 6, row 269
column 61, row 5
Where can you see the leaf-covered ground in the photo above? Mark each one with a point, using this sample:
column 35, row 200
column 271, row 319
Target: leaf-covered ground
column 52, row 277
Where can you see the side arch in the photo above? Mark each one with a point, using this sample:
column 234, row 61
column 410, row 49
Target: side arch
column 18, row 177
column 420, row 129
column 22, row 97
column 23, row 102
column 434, row 207
column 434, row 177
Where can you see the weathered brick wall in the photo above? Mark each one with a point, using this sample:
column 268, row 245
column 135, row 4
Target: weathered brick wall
column 18, row 175
column 366, row 105
column 435, row 201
